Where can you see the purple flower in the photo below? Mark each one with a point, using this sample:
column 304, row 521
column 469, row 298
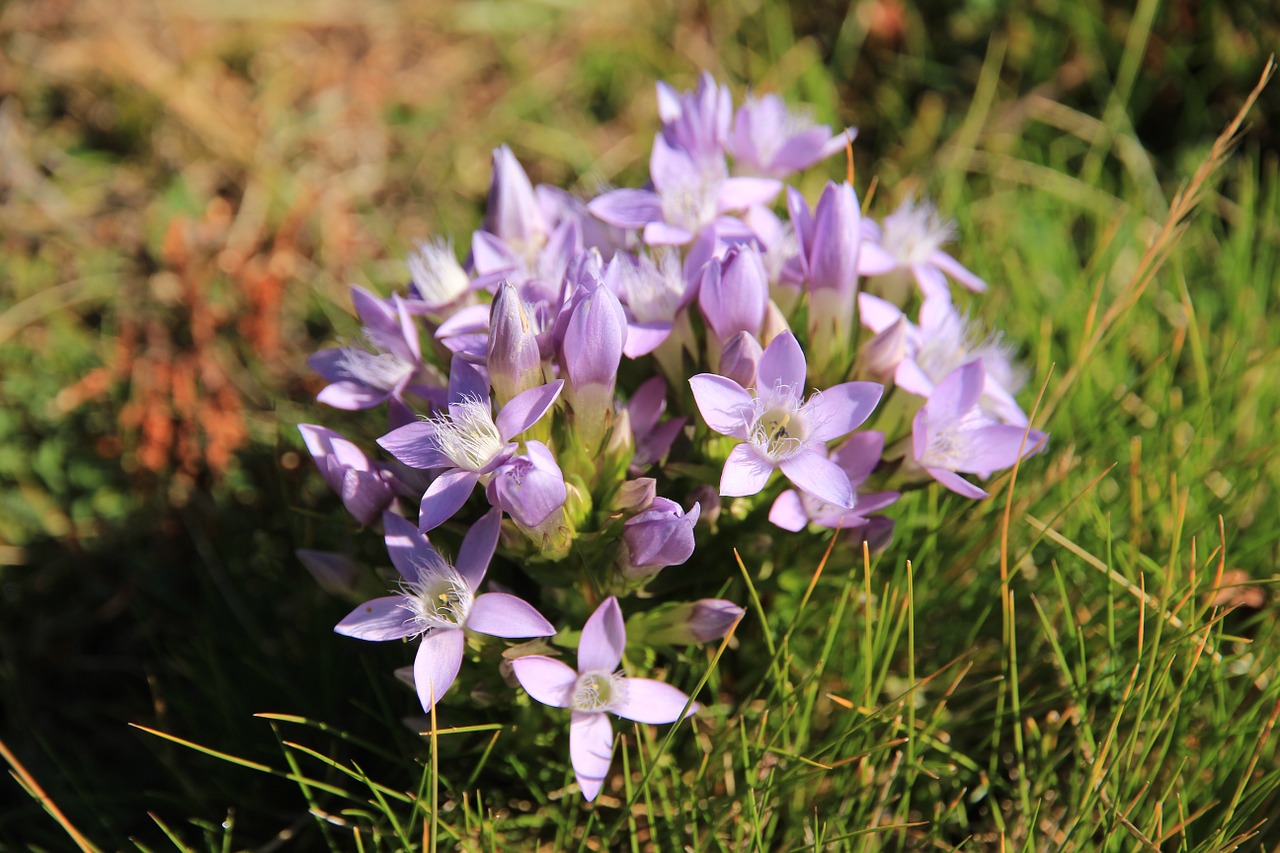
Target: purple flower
column 365, row 488
column 530, row 487
column 513, row 357
column 466, row 440
column 770, row 140
column 739, row 358
column 911, row 239
column 654, row 291
column 384, row 369
column 590, row 355
column 857, row 457
column 696, row 122
column 701, row 621
column 644, row 411
column 438, row 602
column 781, row 429
column 734, row 293
column 952, row 435
column 660, row 536
column 596, row 690
column 513, row 213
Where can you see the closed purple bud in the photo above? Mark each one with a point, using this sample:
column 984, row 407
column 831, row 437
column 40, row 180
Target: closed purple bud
column 514, row 361
column 881, row 355
column 739, row 358
column 660, row 536
column 835, row 239
column 590, row 356
column 707, row 497
column 513, row 212
column 362, row 486
column 635, row 496
column 528, row 488
column 701, row 621
column 734, row 292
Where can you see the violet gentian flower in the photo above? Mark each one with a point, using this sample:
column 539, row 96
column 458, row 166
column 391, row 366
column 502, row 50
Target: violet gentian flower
column 364, row 486
column 653, row 436
column 771, row 140
column 384, row 370
column 739, row 358
column 512, row 353
column 857, row 457
column 596, row 690
column 660, row 536
column 696, row 122
column 438, row 282
column 911, row 239
column 590, row 355
column 779, row 428
column 528, row 487
column 701, row 621
column 952, row 435
column 466, row 440
column 438, row 602
column 734, row 293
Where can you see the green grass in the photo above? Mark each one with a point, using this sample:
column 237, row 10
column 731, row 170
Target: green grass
column 1044, row 670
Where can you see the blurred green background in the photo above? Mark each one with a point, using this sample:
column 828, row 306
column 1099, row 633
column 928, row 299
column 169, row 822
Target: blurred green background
column 188, row 190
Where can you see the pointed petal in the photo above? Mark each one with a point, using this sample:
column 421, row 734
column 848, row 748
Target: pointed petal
column 874, row 260
column 819, row 476
column 590, row 750
column 647, row 700
column 627, row 208
column 788, row 512
column 350, row 396
column 604, row 638
column 841, row 409
column 478, row 546
column 745, row 472
column 415, row 445
column 437, row 663
column 644, row 338
column 380, row 619
column 956, row 483
column 445, row 496
column 741, row 193
column 410, row 551
column 546, row 679
column 525, row 408
column 724, row 404
column 783, row 363
column 953, row 268
column 662, row 234
column 501, row 615
column 877, row 314
column 933, row 284
column 994, row 448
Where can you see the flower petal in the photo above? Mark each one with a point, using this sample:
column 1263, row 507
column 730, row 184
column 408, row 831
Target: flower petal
column 819, row 476
column 546, row 679
column 499, row 614
column 724, row 404
column 415, row 445
column 478, row 546
column 604, row 638
column 788, row 512
column 782, row 364
column 841, row 409
column 437, row 663
column 956, row 483
column 350, row 396
column 525, row 408
column 952, row 267
column 380, row 619
column 745, row 472
column 590, row 750
column 444, row 497
column 627, row 208
column 647, row 700
column 410, row 551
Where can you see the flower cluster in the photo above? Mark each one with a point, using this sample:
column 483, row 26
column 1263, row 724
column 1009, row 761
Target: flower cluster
column 588, row 391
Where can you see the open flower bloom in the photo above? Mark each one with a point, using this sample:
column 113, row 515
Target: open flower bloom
column 911, row 239
column 779, row 428
column 365, row 487
column 597, row 689
column 467, row 440
column 771, row 140
column 794, row 510
column 384, row 370
column 953, row 434
column 438, row 602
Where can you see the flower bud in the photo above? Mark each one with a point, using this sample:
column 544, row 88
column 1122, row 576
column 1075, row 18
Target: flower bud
column 528, row 488
column 660, row 536
column 738, row 359
column 701, row 621
column 513, row 213
column 635, row 496
column 590, row 355
column 734, row 293
column 513, row 358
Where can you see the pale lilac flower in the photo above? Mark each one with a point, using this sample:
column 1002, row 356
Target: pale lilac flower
column 594, row 338
column 944, row 341
column 734, row 293
column 771, row 140
column 596, row 690
column 530, row 487
column 829, row 243
column 739, row 358
column 794, row 510
column 653, row 436
column 696, row 122
column 467, row 440
column 779, row 428
column 513, row 214
column 660, row 536
column 911, row 239
column 438, row 602
column 512, row 354
column 365, row 487
column 952, row 435
column 653, row 291
column 438, row 283
column 386, row 366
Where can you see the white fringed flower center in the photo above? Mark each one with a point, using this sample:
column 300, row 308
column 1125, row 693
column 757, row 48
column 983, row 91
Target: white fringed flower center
column 440, row 599
column 776, row 425
column 597, row 691
column 914, row 231
column 436, row 273
column 468, row 435
column 948, row 447
column 691, row 204
column 380, row 370
column 654, row 290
